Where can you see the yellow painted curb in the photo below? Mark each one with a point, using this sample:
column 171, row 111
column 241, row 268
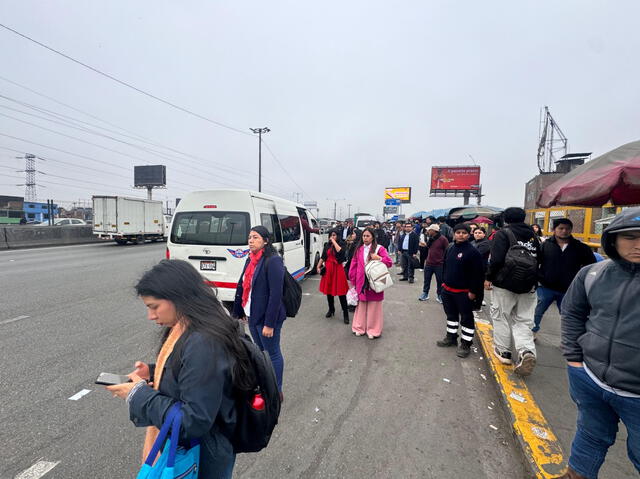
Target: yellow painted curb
column 540, row 445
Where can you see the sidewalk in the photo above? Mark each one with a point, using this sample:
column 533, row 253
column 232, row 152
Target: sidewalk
column 549, row 386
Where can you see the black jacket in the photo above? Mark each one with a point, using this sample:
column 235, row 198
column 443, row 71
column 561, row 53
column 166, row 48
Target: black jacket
column 558, row 268
column 601, row 328
column 341, row 256
column 500, row 245
column 484, row 248
column 341, row 232
column 463, row 268
column 414, row 240
column 382, row 238
column 197, row 373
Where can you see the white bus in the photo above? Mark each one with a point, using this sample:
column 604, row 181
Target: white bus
column 210, row 229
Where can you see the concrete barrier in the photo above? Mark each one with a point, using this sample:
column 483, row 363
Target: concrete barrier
column 25, row 236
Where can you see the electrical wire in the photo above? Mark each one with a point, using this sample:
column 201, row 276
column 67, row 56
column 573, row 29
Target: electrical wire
column 121, row 82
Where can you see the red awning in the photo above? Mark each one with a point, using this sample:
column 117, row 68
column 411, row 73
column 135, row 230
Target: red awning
column 614, row 176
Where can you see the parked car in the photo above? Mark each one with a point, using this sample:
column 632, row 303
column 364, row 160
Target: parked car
column 69, row 222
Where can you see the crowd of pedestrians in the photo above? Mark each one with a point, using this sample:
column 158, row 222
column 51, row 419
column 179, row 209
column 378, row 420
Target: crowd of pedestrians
column 525, row 273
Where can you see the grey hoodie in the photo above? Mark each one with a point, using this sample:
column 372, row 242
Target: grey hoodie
column 603, row 328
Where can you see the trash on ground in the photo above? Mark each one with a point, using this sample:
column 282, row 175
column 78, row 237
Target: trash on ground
column 541, row 433
column 483, row 377
column 446, row 380
column 493, row 427
column 517, row 397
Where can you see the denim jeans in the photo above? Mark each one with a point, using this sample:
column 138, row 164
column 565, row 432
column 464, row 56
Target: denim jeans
column 546, row 297
column 599, row 412
column 429, row 271
column 270, row 345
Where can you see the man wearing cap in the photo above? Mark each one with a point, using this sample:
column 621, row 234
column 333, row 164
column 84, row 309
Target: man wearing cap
column 601, row 343
column 562, row 257
column 463, row 279
column 433, row 265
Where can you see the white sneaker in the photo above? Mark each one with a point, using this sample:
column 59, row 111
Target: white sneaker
column 358, row 334
column 526, row 363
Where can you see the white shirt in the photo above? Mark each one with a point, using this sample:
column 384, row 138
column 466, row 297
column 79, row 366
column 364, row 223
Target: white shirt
column 405, row 242
column 365, row 253
column 606, row 387
column 247, row 307
column 345, row 233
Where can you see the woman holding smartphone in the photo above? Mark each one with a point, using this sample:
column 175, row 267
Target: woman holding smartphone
column 259, row 297
column 200, row 359
column 334, row 281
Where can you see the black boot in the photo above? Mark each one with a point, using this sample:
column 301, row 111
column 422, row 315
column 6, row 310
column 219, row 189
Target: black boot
column 332, row 308
column 464, row 349
column 345, row 309
column 448, row 341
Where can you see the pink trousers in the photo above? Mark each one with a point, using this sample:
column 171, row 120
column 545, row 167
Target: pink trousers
column 368, row 318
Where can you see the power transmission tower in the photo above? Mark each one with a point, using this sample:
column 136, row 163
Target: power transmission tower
column 259, row 132
column 552, row 141
column 30, row 193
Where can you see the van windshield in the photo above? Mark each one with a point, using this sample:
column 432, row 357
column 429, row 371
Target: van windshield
column 364, row 223
column 223, row 228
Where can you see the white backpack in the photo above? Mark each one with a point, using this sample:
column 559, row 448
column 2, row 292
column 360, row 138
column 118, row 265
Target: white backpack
column 378, row 275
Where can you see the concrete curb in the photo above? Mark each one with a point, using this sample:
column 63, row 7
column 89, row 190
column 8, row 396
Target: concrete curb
column 541, row 448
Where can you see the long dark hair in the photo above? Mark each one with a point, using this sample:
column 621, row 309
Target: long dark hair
column 269, row 250
column 374, row 243
column 199, row 308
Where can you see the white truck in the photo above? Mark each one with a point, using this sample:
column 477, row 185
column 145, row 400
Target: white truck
column 123, row 219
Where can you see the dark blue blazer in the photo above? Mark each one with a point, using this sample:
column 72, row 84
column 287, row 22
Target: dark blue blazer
column 267, row 308
column 197, row 373
column 414, row 241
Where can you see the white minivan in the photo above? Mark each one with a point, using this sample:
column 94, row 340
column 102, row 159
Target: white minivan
column 210, row 229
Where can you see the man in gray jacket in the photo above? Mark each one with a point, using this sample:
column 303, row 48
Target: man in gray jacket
column 601, row 343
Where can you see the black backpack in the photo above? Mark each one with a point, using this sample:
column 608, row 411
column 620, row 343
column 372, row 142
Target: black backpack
column 257, row 410
column 291, row 294
column 519, row 274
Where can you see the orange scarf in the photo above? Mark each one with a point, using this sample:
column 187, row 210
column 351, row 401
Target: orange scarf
column 163, row 355
column 248, row 275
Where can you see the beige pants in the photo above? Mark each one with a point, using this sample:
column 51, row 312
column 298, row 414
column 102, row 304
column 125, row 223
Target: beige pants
column 512, row 316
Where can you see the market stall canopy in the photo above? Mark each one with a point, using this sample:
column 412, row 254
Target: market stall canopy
column 482, row 219
column 471, row 212
column 614, row 176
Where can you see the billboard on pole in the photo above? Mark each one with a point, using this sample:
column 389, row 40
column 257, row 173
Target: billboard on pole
column 402, row 193
column 455, row 179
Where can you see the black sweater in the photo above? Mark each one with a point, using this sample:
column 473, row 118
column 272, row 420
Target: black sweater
column 558, row 268
column 463, row 268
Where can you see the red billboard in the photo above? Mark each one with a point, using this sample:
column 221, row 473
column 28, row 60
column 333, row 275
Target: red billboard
column 455, row 178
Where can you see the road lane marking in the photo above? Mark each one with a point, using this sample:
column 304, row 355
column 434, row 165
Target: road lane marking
column 13, row 320
column 80, row 394
column 38, row 470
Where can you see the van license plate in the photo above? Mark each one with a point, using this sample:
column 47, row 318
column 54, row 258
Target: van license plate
column 207, row 265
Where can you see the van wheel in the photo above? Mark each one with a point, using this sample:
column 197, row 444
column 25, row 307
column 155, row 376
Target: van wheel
column 314, row 270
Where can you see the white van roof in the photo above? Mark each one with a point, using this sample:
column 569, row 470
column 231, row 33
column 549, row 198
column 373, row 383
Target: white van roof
column 197, row 199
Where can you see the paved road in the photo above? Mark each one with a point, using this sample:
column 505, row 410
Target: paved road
column 353, row 407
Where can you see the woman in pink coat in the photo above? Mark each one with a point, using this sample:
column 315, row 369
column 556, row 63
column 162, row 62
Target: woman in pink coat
column 368, row 316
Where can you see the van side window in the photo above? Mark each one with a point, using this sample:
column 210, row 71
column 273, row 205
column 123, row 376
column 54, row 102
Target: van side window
column 290, row 226
column 268, row 221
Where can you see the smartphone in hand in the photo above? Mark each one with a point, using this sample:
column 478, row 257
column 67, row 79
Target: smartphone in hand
column 108, row 379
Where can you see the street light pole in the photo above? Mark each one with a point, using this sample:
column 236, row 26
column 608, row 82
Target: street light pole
column 335, row 205
column 260, row 131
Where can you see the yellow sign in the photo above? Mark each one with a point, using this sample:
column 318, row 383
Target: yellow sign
column 402, row 193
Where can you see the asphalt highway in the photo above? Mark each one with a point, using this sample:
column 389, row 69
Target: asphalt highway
column 395, row 407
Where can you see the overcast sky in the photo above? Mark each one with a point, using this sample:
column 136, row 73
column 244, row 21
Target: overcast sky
column 359, row 95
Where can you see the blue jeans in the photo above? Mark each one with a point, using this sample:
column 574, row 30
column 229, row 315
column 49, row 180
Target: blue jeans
column 270, row 345
column 429, row 271
column 599, row 412
column 546, row 297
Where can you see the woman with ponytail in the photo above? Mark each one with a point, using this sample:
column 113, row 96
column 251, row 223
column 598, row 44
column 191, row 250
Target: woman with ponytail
column 259, row 297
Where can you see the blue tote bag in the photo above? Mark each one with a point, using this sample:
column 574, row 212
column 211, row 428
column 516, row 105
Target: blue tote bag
column 175, row 462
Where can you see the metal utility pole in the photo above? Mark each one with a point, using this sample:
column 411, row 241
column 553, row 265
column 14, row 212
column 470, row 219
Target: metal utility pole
column 552, row 141
column 349, row 210
column 259, row 132
column 30, row 193
column 335, row 206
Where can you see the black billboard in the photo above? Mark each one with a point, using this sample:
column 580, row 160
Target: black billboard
column 150, row 175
